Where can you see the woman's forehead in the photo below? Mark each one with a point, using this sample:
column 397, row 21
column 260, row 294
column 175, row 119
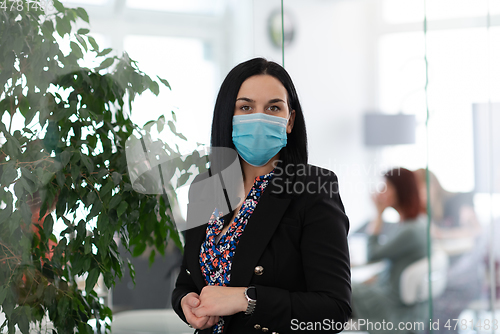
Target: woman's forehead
column 262, row 86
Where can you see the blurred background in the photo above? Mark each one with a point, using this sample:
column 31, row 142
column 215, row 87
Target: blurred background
column 360, row 70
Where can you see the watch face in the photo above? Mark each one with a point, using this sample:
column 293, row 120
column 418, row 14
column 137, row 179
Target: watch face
column 275, row 28
column 252, row 293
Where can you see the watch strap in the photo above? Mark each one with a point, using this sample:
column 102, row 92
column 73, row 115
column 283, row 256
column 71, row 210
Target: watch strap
column 251, row 296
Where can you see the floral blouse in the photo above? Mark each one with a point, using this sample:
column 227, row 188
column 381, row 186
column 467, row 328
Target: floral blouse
column 216, row 258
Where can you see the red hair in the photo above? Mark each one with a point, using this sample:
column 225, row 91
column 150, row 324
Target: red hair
column 407, row 197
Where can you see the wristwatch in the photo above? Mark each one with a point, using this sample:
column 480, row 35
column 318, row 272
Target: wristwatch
column 251, row 296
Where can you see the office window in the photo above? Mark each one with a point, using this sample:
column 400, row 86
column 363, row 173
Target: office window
column 186, row 64
column 407, row 11
column 459, row 75
column 85, row 2
column 210, row 7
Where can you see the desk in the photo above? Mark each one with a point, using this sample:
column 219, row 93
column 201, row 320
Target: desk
column 361, row 273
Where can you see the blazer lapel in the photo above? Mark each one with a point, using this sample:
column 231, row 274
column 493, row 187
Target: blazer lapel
column 259, row 230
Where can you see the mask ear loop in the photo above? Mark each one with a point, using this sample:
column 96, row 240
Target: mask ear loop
column 289, row 116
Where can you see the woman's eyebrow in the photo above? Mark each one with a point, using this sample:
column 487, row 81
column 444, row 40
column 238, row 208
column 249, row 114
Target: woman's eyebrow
column 244, row 99
column 250, row 100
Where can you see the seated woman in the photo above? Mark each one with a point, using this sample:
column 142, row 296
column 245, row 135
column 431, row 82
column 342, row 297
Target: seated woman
column 379, row 299
column 454, row 222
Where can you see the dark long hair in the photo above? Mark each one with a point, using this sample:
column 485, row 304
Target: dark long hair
column 405, row 184
column 295, row 151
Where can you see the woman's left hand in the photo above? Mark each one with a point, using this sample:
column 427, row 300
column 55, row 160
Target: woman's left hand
column 220, row 301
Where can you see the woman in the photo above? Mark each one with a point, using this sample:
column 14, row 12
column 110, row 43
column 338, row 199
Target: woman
column 379, row 299
column 279, row 262
column 453, row 214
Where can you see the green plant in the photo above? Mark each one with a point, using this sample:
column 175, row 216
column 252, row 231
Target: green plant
column 69, row 154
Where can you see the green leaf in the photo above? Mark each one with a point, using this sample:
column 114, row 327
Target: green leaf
column 96, row 209
column 147, row 126
column 23, row 321
column 160, row 124
column 102, row 173
column 84, row 328
column 61, row 179
column 91, row 197
column 45, row 176
column 139, row 249
column 153, row 86
column 87, row 162
column 48, row 28
column 121, row 208
column 49, row 295
column 117, row 178
column 83, row 31
column 93, row 43
column 88, row 246
column 62, row 306
column 86, row 264
column 58, row 5
column 82, row 13
column 183, row 179
column 27, row 174
column 9, row 175
column 75, row 172
column 9, row 303
column 91, row 280
column 75, row 49
column 63, row 26
column 82, row 42
column 104, row 52
column 152, row 257
column 174, row 116
column 106, row 188
column 25, row 212
column 65, row 157
column 171, row 125
column 48, row 225
column 24, row 108
column 106, row 63
column 3, row 293
column 131, row 270
column 115, row 201
column 165, row 82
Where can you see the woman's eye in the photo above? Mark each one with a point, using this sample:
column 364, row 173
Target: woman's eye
column 245, row 108
column 274, row 108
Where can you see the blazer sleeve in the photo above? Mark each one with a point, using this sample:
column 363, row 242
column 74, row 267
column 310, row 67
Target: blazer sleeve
column 183, row 286
column 326, row 266
column 184, row 283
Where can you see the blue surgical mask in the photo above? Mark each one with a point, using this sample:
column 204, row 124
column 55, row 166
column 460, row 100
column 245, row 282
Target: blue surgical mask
column 258, row 137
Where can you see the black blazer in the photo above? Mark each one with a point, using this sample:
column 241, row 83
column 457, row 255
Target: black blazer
column 298, row 235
